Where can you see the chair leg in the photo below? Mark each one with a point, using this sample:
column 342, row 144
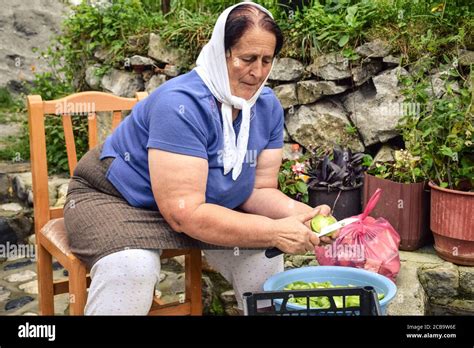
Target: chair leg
column 77, row 288
column 193, row 274
column 45, row 280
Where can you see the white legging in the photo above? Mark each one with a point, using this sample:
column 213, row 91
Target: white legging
column 123, row 282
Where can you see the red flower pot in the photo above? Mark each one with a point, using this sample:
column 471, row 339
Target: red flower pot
column 405, row 206
column 452, row 223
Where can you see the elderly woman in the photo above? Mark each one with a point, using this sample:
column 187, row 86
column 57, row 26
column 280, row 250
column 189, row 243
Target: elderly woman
column 174, row 174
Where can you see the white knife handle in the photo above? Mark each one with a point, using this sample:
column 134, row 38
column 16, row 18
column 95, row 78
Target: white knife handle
column 334, row 227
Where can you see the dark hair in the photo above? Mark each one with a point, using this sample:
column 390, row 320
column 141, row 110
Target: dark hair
column 242, row 18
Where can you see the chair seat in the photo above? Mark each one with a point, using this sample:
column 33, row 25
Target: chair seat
column 55, row 231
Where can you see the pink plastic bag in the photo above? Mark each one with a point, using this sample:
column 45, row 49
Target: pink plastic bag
column 369, row 243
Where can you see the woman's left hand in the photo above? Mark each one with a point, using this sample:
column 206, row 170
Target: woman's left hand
column 325, row 210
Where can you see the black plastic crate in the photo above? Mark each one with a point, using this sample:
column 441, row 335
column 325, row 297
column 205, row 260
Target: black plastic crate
column 368, row 302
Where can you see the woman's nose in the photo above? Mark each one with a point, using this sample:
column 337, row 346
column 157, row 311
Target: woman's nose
column 257, row 69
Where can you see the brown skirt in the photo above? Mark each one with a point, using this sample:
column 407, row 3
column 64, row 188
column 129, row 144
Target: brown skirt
column 99, row 221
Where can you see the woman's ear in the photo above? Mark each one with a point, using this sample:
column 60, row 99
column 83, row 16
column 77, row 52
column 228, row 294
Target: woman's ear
column 227, row 53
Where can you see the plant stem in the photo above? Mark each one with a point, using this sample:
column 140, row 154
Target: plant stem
column 450, row 183
column 437, row 173
column 335, row 201
column 444, row 8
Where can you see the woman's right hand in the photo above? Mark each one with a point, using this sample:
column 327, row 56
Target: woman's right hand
column 292, row 236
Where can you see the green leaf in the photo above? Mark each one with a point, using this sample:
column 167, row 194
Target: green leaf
column 323, row 35
column 448, row 152
column 352, row 10
column 301, row 187
column 343, row 40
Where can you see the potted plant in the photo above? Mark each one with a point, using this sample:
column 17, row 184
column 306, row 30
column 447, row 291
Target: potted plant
column 405, row 199
column 291, row 177
column 443, row 136
column 335, row 179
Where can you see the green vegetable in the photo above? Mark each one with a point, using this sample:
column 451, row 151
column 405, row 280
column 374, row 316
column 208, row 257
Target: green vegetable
column 320, row 221
column 323, row 302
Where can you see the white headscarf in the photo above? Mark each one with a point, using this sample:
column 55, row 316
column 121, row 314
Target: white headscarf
column 212, row 68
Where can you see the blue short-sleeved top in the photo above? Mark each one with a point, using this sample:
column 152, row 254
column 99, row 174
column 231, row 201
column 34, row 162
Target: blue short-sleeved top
column 182, row 116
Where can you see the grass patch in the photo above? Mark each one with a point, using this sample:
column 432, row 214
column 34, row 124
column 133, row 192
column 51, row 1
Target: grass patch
column 16, row 149
column 13, row 147
column 7, row 116
column 6, row 99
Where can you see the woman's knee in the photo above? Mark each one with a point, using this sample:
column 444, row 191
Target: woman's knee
column 130, row 265
column 123, row 283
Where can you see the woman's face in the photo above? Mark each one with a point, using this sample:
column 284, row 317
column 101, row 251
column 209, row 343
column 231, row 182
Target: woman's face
column 250, row 61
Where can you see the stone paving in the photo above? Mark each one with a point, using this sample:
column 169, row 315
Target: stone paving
column 19, row 288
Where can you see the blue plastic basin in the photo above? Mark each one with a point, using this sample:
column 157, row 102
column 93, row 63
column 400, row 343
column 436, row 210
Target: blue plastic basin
column 337, row 276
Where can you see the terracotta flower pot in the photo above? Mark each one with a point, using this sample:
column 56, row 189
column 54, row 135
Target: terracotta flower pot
column 405, row 206
column 452, row 223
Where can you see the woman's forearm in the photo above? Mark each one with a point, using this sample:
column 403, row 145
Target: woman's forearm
column 273, row 203
column 218, row 225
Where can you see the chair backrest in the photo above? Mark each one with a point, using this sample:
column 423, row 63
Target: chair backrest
column 84, row 103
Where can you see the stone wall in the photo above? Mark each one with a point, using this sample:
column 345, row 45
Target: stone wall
column 333, row 100
column 24, row 26
column 139, row 73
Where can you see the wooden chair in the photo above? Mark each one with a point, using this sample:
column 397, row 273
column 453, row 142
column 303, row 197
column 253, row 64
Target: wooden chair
column 49, row 223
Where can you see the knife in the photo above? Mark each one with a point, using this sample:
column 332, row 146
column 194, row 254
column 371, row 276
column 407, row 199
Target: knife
column 272, row 252
column 334, row 227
